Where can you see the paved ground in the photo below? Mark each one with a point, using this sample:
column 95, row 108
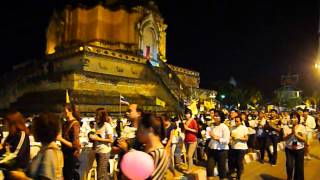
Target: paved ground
column 258, row 171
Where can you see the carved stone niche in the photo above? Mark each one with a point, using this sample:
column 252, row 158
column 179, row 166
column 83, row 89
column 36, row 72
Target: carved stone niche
column 119, row 69
column 149, row 36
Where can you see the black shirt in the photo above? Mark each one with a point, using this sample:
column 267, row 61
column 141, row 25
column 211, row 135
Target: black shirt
column 169, row 129
column 23, row 157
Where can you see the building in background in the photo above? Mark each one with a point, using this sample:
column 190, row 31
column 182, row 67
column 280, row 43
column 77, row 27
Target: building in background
column 98, row 54
column 289, row 96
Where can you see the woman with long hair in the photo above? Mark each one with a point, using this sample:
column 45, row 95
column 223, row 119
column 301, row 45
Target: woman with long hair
column 70, row 143
column 48, row 163
column 102, row 142
column 17, row 141
column 191, row 130
column 150, row 133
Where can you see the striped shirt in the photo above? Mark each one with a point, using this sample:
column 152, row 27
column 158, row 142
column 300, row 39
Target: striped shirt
column 161, row 163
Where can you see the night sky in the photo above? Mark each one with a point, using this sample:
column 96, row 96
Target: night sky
column 255, row 41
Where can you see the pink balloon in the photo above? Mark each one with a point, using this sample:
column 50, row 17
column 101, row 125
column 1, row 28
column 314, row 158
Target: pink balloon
column 137, row 165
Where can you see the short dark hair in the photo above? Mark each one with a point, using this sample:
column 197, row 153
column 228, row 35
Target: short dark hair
column 306, row 110
column 299, row 109
column 235, row 110
column 212, row 110
column 274, row 110
column 139, row 110
column 221, row 115
column 188, row 111
column 148, row 120
column 295, row 114
column 239, row 118
column 165, row 117
column 72, row 108
column 46, row 127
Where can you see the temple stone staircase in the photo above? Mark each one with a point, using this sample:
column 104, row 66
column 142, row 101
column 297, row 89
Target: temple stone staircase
column 171, row 81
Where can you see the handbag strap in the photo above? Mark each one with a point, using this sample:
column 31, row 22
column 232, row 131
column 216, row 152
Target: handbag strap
column 23, row 135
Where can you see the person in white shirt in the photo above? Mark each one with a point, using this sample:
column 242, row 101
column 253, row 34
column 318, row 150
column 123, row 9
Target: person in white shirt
column 102, row 142
column 218, row 146
column 285, row 120
column 230, row 122
column 251, row 125
column 295, row 137
column 238, row 144
column 310, row 123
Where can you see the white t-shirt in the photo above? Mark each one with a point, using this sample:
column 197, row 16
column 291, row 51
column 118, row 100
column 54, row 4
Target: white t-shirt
column 104, row 132
column 310, row 123
column 128, row 132
column 224, row 133
column 239, row 132
column 253, row 124
column 208, row 130
column 285, row 120
column 261, row 122
column 299, row 129
column 230, row 122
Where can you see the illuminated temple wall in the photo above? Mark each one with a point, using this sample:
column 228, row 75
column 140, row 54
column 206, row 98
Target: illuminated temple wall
column 97, row 54
column 119, row 29
column 94, row 76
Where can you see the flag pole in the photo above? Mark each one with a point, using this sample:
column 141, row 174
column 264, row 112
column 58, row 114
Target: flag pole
column 156, row 106
column 120, row 106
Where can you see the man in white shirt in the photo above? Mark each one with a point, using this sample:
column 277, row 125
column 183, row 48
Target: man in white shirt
column 310, row 123
column 218, row 146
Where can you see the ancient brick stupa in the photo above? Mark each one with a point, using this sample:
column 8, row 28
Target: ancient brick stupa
column 98, row 53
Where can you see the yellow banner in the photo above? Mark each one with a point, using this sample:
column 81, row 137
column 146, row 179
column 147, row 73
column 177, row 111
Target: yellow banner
column 193, row 107
column 67, row 97
column 208, row 105
column 159, row 102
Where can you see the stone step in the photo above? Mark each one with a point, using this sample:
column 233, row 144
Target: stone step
column 249, row 157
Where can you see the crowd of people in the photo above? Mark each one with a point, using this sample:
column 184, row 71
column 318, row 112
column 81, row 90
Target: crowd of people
column 218, row 138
